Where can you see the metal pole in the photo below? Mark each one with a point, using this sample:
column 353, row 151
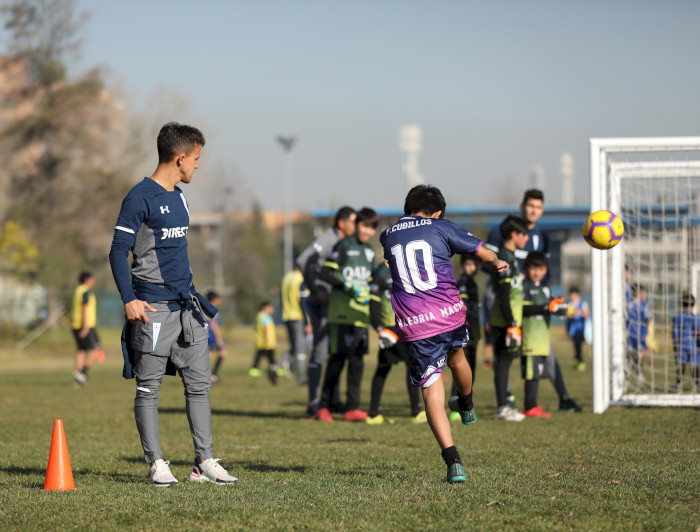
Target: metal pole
column 287, row 145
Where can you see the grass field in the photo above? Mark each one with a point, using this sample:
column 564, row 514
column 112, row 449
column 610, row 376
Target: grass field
column 623, row 470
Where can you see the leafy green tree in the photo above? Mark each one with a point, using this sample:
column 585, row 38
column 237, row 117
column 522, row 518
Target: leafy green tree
column 69, row 145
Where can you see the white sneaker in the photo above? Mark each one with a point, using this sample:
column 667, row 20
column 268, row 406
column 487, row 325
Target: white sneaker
column 211, row 471
column 160, row 474
column 80, row 377
column 507, row 413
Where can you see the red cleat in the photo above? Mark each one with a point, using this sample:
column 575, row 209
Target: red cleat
column 323, row 414
column 536, row 411
column 355, row 415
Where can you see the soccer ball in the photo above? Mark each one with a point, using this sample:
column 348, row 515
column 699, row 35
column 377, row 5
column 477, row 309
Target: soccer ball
column 603, row 229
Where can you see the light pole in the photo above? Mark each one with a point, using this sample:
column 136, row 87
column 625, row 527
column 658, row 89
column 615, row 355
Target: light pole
column 287, row 144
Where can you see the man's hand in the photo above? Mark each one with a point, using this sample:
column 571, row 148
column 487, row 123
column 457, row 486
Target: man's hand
column 308, row 329
column 84, row 332
column 136, row 310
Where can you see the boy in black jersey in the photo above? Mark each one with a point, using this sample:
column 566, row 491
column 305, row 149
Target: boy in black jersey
column 506, row 313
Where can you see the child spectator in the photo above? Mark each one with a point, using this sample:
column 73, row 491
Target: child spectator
column 469, row 292
column 391, row 349
column 538, row 305
column 638, row 318
column 265, row 342
column 507, row 312
column 348, row 270
column 686, row 338
column 429, row 312
column 576, row 316
column 216, row 342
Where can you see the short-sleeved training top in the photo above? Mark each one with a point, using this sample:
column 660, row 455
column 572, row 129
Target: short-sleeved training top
column 152, row 224
column 424, row 293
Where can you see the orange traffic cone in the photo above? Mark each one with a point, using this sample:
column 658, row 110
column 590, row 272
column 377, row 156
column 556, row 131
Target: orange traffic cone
column 59, row 475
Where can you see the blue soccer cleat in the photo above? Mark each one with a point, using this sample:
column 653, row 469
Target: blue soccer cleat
column 455, row 473
column 468, row 416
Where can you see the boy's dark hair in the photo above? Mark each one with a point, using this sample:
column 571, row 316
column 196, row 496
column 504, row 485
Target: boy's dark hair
column 512, row 223
column 533, row 193
column 84, row 276
column 687, row 300
column 574, row 290
column 636, row 289
column 265, row 304
column 174, row 139
column 467, row 257
column 426, row 199
column 535, row 258
column 211, row 295
column 343, row 213
column 367, row 216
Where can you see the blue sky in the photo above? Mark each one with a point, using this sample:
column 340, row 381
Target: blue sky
column 496, row 86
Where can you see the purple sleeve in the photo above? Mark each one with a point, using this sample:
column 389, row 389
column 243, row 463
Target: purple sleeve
column 462, row 241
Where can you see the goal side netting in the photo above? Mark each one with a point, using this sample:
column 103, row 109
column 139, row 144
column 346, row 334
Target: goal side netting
column 654, row 186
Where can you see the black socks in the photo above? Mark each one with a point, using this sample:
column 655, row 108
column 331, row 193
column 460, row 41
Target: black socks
column 465, row 402
column 451, row 456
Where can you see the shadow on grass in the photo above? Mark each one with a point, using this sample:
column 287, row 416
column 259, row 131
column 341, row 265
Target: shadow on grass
column 77, row 474
column 140, row 460
column 234, row 464
column 239, row 413
column 266, row 468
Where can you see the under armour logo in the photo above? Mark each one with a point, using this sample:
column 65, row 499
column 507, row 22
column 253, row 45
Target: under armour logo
column 165, row 209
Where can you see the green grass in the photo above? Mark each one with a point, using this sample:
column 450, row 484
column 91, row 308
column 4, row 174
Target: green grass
column 628, row 469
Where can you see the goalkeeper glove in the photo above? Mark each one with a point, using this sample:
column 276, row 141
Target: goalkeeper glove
column 387, row 338
column 514, row 338
column 555, row 306
column 359, row 291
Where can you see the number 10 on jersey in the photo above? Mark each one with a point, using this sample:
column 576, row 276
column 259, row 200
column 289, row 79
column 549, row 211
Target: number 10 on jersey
column 407, row 265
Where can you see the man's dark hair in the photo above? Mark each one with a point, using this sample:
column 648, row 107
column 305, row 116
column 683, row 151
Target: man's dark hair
column 533, row 193
column 175, row 139
column 211, row 295
column 535, row 258
column 574, row 290
column 426, row 199
column 343, row 213
column 84, row 276
column 512, row 223
column 687, row 300
column 367, row 216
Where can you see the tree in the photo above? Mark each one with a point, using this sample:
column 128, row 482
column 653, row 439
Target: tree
column 69, row 145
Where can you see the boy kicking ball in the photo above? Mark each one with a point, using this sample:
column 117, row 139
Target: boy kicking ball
column 430, row 314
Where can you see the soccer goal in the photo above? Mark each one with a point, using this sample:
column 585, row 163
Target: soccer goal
column 653, row 184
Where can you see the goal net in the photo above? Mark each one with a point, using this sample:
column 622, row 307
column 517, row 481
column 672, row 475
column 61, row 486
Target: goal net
column 654, row 186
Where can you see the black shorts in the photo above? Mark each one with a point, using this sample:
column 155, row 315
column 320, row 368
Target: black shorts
column 348, row 339
column 90, row 342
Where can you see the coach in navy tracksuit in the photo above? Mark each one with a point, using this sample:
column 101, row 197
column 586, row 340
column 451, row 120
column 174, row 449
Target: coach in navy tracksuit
column 167, row 319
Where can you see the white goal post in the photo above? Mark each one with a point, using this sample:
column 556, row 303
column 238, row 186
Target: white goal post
column 654, row 185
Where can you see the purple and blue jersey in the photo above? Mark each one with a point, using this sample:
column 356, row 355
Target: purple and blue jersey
column 686, row 327
column 424, row 293
column 152, row 224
